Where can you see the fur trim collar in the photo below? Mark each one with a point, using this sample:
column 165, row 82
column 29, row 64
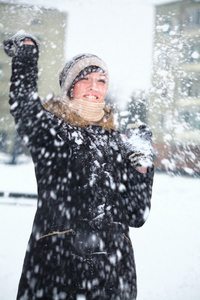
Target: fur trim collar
column 57, row 107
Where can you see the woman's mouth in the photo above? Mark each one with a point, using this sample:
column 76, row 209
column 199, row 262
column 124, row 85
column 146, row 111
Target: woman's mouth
column 91, row 96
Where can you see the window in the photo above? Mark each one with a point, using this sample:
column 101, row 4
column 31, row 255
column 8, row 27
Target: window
column 190, row 118
column 191, row 18
column 194, row 53
column 190, row 86
column 3, row 139
column 1, row 71
column 161, row 121
column 164, row 60
column 167, row 27
column 36, row 22
column 198, row 17
column 191, row 52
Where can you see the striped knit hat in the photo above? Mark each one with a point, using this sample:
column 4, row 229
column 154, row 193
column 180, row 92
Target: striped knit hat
column 78, row 67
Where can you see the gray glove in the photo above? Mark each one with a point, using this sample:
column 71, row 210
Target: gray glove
column 12, row 45
column 139, row 145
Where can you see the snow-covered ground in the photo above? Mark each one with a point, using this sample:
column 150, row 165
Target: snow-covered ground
column 167, row 247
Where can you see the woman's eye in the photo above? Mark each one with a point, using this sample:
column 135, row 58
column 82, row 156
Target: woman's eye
column 84, row 78
column 102, row 80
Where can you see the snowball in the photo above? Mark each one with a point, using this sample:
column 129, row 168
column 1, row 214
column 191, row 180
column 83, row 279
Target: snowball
column 52, row 131
column 25, row 139
column 35, row 95
column 80, row 297
column 122, row 187
column 49, row 97
column 53, row 195
column 14, row 105
column 39, row 114
column 146, row 213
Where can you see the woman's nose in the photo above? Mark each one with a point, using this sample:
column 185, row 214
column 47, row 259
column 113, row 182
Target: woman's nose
column 93, row 83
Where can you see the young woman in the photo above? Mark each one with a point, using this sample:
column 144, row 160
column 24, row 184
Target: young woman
column 91, row 184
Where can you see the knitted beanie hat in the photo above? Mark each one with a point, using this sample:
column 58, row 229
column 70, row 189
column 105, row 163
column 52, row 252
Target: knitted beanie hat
column 77, row 67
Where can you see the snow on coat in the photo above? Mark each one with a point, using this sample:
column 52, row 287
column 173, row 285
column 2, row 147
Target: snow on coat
column 88, row 196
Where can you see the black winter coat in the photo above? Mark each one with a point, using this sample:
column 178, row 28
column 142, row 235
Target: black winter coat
column 88, row 196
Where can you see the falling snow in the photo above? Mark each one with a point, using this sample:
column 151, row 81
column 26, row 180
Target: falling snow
column 167, row 247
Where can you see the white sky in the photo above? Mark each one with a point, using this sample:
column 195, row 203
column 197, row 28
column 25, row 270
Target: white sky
column 118, row 31
column 121, row 34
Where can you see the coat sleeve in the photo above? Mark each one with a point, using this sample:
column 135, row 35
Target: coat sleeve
column 136, row 191
column 137, row 198
column 33, row 123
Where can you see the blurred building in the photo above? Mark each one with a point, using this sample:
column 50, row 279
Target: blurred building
column 175, row 95
column 49, row 26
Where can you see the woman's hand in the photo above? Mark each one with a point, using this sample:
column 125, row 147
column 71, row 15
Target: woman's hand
column 21, row 38
column 29, row 42
column 142, row 169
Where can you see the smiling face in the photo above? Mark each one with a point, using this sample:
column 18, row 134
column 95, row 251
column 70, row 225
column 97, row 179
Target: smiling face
column 92, row 87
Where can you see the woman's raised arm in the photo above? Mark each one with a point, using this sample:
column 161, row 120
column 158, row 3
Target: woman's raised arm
column 33, row 122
